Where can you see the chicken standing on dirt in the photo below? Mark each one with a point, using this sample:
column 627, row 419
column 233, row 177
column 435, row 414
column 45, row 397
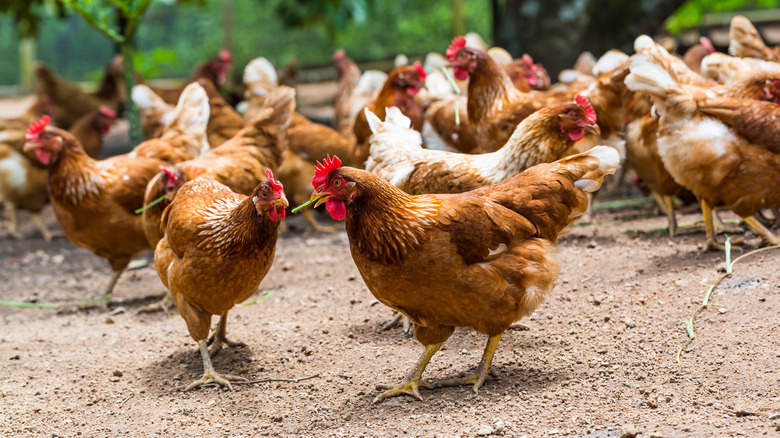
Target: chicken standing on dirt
column 217, row 248
column 94, row 201
column 480, row 259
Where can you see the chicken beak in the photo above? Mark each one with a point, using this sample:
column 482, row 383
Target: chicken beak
column 282, row 201
column 323, row 197
column 593, row 129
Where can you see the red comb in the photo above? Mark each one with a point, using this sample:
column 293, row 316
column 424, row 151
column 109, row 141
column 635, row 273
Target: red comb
column 457, row 44
column 707, row 44
column 420, row 70
column 276, row 185
column 339, row 55
column 224, row 55
column 108, row 112
column 527, row 59
column 582, row 101
column 171, row 174
column 322, row 170
column 36, row 127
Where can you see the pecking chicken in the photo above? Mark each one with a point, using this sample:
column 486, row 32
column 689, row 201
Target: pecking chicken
column 214, row 70
column 184, row 136
column 94, row 201
column 70, row 101
column 715, row 162
column 495, row 107
column 218, row 247
column 397, row 155
column 482, row 259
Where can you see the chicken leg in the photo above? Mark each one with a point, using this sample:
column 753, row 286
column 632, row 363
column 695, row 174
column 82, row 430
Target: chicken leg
column 411, row 384
column 768, row 236
column 38, row 222
column 163, row 305
column 483, row 370
column 209, row 374
column 13, row 227
column 220, row 337
column 712, row 243
column 671, row 218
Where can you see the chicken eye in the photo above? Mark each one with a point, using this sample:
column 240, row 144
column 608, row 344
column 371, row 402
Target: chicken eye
column 573, row 114
column 337, row 183
column 264, row 195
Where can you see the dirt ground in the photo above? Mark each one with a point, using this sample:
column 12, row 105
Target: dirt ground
column 598, row 359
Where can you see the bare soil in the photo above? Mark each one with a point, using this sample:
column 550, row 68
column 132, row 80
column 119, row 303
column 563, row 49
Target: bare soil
column 598, row 360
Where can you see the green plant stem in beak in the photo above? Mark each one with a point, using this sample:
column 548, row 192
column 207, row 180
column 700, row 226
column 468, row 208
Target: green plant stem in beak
column 305, row 204
column 151, row 204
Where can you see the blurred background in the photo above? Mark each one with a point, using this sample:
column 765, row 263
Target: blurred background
column 176, row 35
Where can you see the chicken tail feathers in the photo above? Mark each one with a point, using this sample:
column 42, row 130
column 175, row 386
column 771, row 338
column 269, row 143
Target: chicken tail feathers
column 746, row 42
column 656, row 80
column 552, row 195
column 191, row 115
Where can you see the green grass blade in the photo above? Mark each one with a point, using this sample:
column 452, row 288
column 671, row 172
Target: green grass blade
column 21, row 304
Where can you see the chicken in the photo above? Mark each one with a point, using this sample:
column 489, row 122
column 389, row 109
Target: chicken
column 526, row 75
column 155, row 112
column 218, row 247
column 756, row 121
column 260, row 78
column 214, row 70
column 446, row 131
column 184, row 136
column 746, row 42
column 397, row 155
column 399, row 90
column 495, row 107
column 347, row 78
column 70, row 101
column 224, row 121
column 725, row 69
column 23, row 178
column 645, row 46
column 91, row 128
column 94, row 201
column 482, row 259
column 694, row 55
column 239, row 163
column 718, row 165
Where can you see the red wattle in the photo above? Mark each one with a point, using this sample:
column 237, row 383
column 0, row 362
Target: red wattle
column 43, row 155
column 461, row 73
column 272, row 214
column 577, row 134
column 336, row 208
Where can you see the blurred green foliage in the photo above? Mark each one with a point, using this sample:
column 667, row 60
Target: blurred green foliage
column 690, row 14
column 196, row 30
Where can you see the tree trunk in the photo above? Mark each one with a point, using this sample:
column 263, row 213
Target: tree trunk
column 131, row 111
column 27, row 63
column 458, row 24
column 555, row 32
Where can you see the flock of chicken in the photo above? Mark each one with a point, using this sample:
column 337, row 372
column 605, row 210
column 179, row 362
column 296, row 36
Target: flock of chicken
column 453, row 201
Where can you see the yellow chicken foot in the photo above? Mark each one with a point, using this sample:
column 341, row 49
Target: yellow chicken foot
column 767, row 235
column 712, row 243
column 316, row 226
column 209, row 374
column 671, row 219
column 13, row 227
column 112, row 282
column 220, row 337
column 483, row 370
column 38, row 222
column 163, row 305
column 411, row 384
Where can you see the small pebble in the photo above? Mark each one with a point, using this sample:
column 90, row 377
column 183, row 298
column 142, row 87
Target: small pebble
column 628, row 431
column 484, row 430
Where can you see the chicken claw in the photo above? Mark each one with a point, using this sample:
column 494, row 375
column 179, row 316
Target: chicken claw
column 411, row 384
column 220, row 337
column 209, row 374
column 411, row 387
column 163, row 305
column 483, row 370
